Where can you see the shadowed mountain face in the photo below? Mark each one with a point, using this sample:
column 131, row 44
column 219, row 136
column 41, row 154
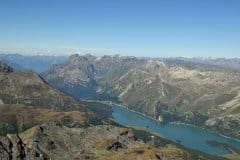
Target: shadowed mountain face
column 202, row 95
column 90, row 74
column 4, row 68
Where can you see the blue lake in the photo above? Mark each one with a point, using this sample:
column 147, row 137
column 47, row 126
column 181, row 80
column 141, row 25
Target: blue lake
column 189, row 136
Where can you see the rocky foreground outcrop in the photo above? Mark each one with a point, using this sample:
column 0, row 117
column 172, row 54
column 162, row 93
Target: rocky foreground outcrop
column 54, row 141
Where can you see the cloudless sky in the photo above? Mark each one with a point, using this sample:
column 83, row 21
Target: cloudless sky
column 158, row 28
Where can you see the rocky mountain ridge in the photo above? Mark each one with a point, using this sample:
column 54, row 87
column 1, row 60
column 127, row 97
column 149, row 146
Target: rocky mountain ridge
column 18, row 87
column 54, row 141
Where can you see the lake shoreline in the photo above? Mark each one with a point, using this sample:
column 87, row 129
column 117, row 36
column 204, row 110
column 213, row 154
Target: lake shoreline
column 174, row 122
column 136, row 120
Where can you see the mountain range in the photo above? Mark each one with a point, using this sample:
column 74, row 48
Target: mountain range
column 198, row 94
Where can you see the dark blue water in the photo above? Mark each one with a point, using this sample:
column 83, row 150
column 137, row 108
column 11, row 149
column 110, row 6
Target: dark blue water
column 190, row 136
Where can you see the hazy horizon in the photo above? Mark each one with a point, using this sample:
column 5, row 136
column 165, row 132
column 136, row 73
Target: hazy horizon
column 136, row 28
column 100, row 55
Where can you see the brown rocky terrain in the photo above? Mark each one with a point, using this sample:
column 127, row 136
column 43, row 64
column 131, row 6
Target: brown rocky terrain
column 54, row 141
column 16, row 118
column 29, row 88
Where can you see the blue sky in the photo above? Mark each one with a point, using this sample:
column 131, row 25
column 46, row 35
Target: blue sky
column 157, row 28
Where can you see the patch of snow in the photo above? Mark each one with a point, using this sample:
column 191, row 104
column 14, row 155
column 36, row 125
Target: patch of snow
column 210, row 122
column 1, row 102
column 126, row 90
column 231, row 105
column 98, row 59
column 149, row 81
column 99, row 90
column 163, row 94
column 160, row 118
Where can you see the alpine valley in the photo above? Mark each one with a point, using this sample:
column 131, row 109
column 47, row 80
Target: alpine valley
column 194, row 91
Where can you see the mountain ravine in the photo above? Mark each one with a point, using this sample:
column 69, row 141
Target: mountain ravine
column 202, row 95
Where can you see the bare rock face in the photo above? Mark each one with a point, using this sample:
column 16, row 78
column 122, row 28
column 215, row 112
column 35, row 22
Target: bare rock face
column 89, row 74
column 69, row 143
column 115, row 146
column 77, row 75
column 13, row 148
column 53, row 141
